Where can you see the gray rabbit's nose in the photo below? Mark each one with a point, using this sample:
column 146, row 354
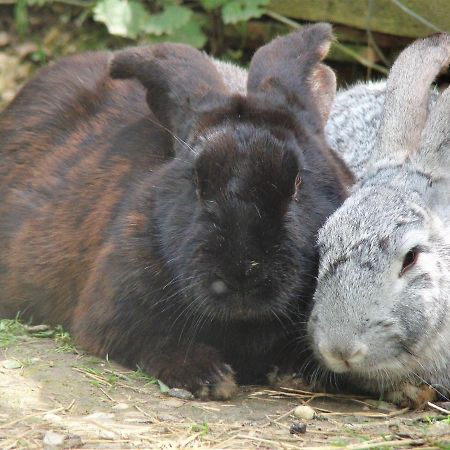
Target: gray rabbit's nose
column 342, row 358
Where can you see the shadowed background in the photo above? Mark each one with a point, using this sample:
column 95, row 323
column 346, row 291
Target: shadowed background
column 370, row 33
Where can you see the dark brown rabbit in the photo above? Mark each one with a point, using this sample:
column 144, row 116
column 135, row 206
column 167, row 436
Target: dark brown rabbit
column 180, row 237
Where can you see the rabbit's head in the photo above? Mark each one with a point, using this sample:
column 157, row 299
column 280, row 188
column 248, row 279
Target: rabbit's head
column 382, row 305
column 252, row 179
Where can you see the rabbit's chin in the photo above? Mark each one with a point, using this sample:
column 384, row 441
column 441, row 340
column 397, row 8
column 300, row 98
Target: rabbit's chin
column 220, row 303
column 239, row 309
column 259, row 306
column 389, row 369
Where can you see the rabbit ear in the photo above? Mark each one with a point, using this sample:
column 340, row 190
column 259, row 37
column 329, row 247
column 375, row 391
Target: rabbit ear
column 179, row 81
column 407, row 97
column 434, row 152
column 289, row 73
column 433, row 157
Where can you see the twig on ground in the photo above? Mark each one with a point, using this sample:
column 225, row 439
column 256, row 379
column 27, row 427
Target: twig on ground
column 445, row 411
column 51, row 411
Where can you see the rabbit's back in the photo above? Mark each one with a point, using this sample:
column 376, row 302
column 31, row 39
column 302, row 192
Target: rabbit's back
column 72, row 143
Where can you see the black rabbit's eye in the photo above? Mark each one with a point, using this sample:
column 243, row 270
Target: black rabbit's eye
column 409, row 260
column 298, row 182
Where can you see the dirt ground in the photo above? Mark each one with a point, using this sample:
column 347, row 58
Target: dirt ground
column 53, row 396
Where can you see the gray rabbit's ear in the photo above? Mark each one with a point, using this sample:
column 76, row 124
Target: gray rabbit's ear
column 407, row 97
column 433, row 157
column 288, row 72
column 179, row 79
column 434, row 152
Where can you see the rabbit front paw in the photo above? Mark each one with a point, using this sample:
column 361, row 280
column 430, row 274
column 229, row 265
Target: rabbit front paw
column 412, row 396
column 201, row 372
column 219, row 384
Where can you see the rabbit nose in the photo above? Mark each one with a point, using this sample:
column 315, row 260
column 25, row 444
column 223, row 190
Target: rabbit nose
column 342, row 359
column 219, row 287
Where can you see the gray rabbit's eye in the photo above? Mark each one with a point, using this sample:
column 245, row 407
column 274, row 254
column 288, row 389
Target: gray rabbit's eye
column 409, row 260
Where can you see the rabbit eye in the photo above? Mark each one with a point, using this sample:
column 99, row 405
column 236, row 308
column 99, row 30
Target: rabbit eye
column 298, row 182
column 409, row 260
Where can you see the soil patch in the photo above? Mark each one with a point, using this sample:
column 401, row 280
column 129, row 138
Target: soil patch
column 49, row 390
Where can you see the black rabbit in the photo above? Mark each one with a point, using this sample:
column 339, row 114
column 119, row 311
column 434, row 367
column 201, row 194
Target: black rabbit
column 180, row 238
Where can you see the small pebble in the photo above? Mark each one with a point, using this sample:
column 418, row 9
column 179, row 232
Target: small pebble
column 304, row 412
column 4, row 39
column 53, row 441
column 121, row 406
column 445, row 405
column 11, row 364
column 100, row 416
column 173, row 403
column 439, row 429
column 180, row 393
column 167, row 418
column 25, row 49
column 54, row 418
column 105, row 434
column 297, row 428
column 73, row 441
column 37, row 328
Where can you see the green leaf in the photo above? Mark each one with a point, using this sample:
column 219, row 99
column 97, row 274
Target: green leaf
column 122, row 18
column 40, row 2
column 213, row 4
column 202, row 428
column 242, row 10
column 190, row 34
column 21, row 16
column 172, row 18
column 163, row 387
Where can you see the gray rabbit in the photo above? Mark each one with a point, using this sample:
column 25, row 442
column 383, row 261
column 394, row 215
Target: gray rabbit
column 381, row 314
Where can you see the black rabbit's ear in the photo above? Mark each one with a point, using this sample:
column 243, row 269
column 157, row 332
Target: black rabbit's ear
column 179, row 80
column 288, row 71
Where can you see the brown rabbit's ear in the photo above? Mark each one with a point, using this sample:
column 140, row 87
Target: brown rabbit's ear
column 288, row 71
column 179, row 80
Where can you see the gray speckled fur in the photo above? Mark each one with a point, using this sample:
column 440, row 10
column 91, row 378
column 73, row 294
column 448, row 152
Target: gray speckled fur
column 235, row 77
column 383, row 330
column 353, row 123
